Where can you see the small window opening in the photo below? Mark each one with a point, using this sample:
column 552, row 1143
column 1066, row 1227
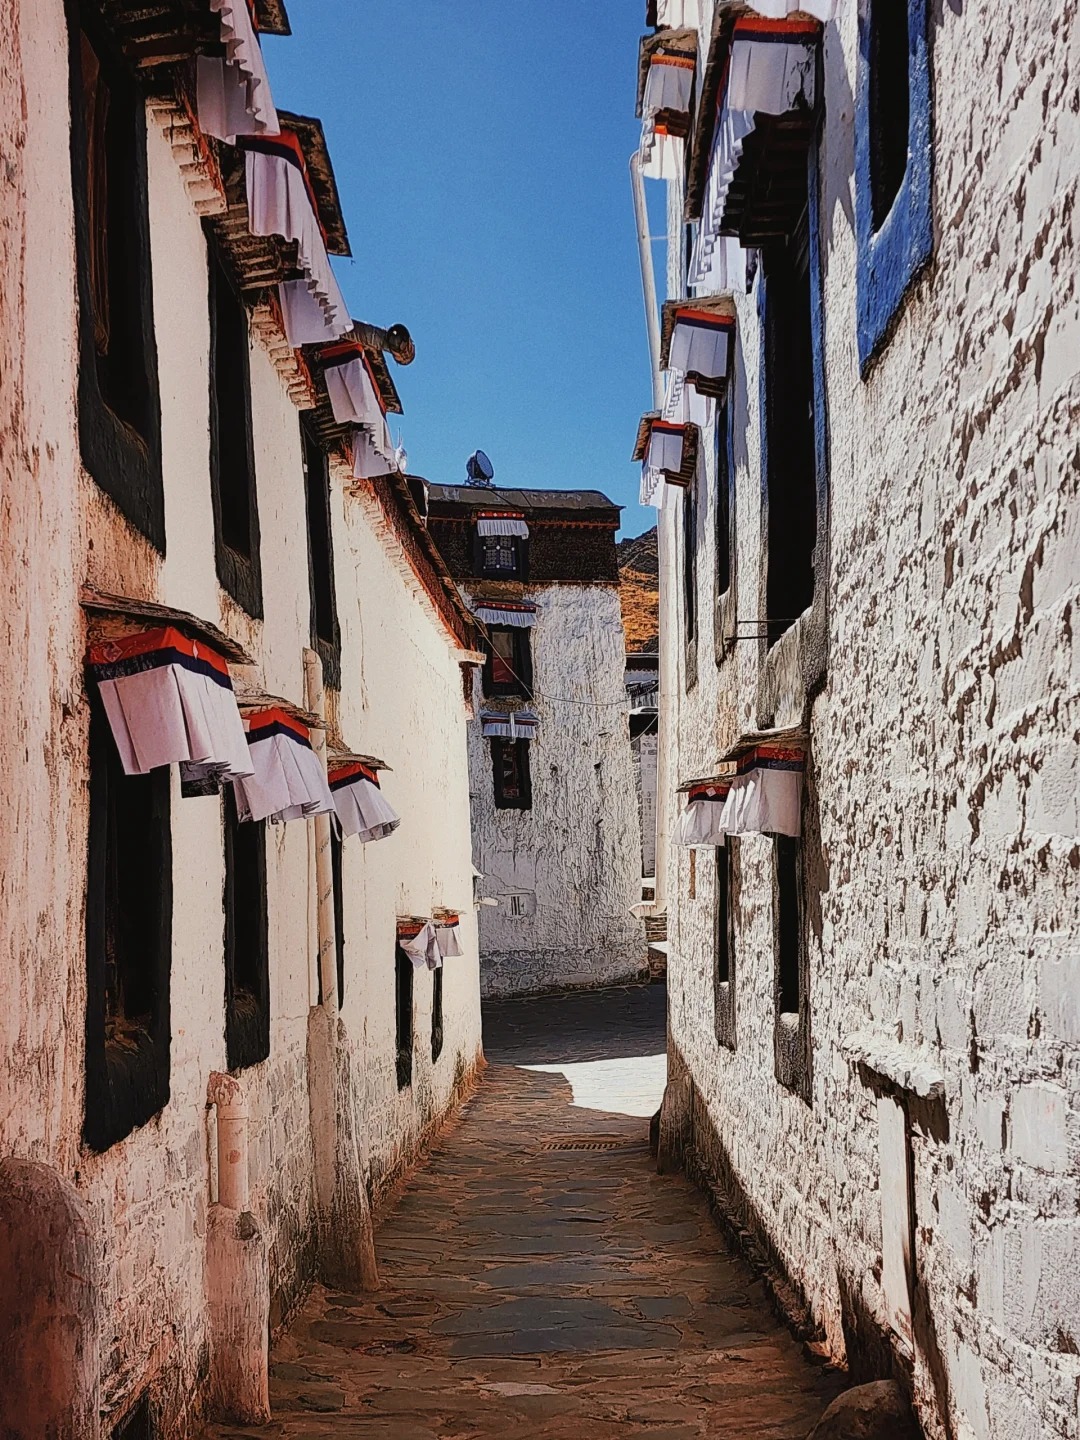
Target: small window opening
column 247, row 950
column 128, row 942
column 723, row 915
column 790, row 429
column 436, row 1013
column 689, row 517
column 325, row 634
column 137, row 1424
column 500, row 556
column 337, row 872
column 890, row 103
column 510, row 761
column 724, row 946
column 788, row 925
column 508, row 670
column 723, row 499
column 404, row 1012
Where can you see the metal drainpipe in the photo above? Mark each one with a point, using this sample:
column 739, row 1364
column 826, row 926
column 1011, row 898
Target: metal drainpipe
column 664, row 559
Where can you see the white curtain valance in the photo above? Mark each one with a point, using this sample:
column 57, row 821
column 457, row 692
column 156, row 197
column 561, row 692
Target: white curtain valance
column 766, row 794
column 170, row 699
column 679, row 14
column 288, row 782
column 701, row 822
column 517, row 725
column 313, row 307
column 717, row 264
column 447, row 939
column 660, row 153
column 669, row 84
column 354, row 396
column 373, row 451
column 233, row 92
column 767, row 75
column 492, row 524
column 522, row 617
column 665, row 452
column 433, row 942
column 822, row 10
column 701, row 343
column 359, row 804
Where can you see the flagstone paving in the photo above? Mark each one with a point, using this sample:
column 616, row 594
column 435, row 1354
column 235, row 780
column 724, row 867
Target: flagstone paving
column 539, row 1279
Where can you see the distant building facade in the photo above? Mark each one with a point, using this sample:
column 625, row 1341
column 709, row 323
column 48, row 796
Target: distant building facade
column 213, row 1047
column 555, row 823
column 869, row 480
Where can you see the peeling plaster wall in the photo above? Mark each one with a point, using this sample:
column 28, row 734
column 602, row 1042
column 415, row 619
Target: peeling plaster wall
column 576, row 855
column 944, row 896
column 147, row 1196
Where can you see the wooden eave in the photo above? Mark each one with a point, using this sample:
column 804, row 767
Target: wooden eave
column 644, row 429
column 111, row 615
column 796, row 736
column 153, row 33
column 691, row 445
column 271, row 17
column 348, row 757
column 309, row 132
column 258, row 261
column 710, row 304
column 699, row 145
column 667, row 42
column 768, row 188
column 252, row 701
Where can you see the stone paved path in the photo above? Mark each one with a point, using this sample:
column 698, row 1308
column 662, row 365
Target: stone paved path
column 540, row 1280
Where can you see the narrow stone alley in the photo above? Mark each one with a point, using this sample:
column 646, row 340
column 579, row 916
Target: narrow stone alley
column 538, row 1275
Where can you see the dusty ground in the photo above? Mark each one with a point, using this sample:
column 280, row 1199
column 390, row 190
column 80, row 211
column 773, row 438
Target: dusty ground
column 539, row 1279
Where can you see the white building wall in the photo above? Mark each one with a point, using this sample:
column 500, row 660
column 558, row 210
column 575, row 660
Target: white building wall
column 944, row 903
column 574, row 858
column 147, row 1196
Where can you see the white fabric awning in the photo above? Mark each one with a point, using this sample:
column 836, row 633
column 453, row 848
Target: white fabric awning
column 447, row 939
column 354, row 396
column 517, row 725
column 701, row 825
column 769, row 73
column 701, row 343
column 660, row 153
column 373, row 452
column 679, row 14
column 766, row 794
column 170, row 699
column 422, row 947
column 489, row 523
column 508, row 613
column 665, row 451
column 233, row 92
column 669, row 84
column 279, row 204
column 288, row 782
column 361, row 807
column 822, row 10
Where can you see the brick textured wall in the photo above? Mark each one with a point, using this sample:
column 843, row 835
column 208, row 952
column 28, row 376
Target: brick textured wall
column 943, row 900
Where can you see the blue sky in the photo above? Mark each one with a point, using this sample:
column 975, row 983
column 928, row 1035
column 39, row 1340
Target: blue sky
column 481, row 153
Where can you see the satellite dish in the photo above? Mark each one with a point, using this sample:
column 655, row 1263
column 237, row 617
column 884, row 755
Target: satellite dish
column 479, row 469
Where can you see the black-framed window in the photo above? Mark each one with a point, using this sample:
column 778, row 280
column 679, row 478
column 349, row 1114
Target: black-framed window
column 403, row 1004
column 789, row 917
column 436, row 1014
column 337, row 857
column 128, row 941
column 508, row 666
column 247, row 941
column 894, row 224
column 513, row 781
column 119, row 404
column 724, row 945
column 689, row 547
column 790, row 426
column 325, row 632
column 501, row 557
column 725, row 472
column 232, row 450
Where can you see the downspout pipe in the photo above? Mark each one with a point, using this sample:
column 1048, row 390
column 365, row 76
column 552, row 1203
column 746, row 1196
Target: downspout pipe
column 652, row 325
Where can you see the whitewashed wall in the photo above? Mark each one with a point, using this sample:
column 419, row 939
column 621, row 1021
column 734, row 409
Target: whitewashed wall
column 944, row 759
column 147, row 1196
column 575, row 857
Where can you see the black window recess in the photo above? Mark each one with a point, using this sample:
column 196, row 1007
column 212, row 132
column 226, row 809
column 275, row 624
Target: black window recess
column 513, row 782
column 689, row 518
column 232, row 451
column 436, row 1013
column 325, row 633
column 508, row 667
column 247, row 950
column 501, row 557
column 403, row 978
column 723, row 496
column 128, row 942
column 890, row 103
column 336, row 867
column 788, row 926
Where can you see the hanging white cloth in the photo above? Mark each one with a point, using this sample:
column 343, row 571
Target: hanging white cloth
column 170, row 699
column 515, row 725
column 766, row 795
column 661, row 153
column 522, row 617
column 701, row 343
column 492, row 523
column 288, row 782
column 701, row 822
column 717, row 264
column 822, row 10
column 361, row 807
column 679, row 14
column 668, row 84
column 665, row 451
column 423, row 947
column 354, row 397
column 313, row 307
column 233, row 92
column 373, row 452
column 446, row 935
